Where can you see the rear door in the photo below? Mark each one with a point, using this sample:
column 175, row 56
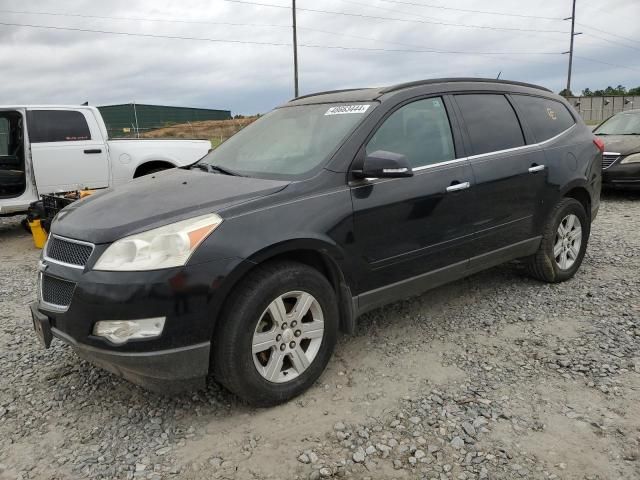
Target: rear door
column 509, row 175
column 67, row 150
column 405, row 227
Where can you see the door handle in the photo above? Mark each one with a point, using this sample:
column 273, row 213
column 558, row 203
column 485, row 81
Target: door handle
column 93, row 150
column 458, row 186
column 536, row 168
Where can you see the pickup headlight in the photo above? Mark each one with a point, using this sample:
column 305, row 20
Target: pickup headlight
column 635, row 158
column 163, row 247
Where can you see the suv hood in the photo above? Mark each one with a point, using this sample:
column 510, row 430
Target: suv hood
column 622, row 144
column 156, row 200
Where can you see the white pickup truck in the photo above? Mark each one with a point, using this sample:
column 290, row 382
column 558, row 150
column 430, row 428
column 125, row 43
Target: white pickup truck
column 48, row 149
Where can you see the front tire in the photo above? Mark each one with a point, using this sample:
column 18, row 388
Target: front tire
column 277, row 333
column 564, row 243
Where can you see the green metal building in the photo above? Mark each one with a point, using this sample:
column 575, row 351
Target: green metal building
column 131, row 119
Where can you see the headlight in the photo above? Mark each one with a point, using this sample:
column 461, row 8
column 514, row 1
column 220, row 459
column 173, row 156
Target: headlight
column 635, row 158
column 163, row 247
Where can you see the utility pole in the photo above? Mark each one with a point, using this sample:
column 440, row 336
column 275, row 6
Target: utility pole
column 570, row 52
column 295, row 50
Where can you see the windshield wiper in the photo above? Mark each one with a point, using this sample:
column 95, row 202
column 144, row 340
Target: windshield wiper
column 202, row 166
column 215, row 168
column 225, row 170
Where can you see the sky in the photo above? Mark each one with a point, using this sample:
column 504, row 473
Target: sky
column 237, row 54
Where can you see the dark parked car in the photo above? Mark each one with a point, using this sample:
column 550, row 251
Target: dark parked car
column 248, row 264
column 621, row 161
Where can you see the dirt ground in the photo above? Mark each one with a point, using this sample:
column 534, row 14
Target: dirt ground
column 494, row 376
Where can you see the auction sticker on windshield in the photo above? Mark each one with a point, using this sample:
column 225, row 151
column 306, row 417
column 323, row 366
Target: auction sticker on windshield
column 342, row 109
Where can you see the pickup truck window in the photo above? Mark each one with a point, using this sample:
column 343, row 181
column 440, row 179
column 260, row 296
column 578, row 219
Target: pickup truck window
column 288, row 142
column 57, row 126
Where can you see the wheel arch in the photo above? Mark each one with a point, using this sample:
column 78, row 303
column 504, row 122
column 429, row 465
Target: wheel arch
column 149, row 165
column 317, row 254
column 581, row 194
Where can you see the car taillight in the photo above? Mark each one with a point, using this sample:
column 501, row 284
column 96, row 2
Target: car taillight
column 598, row 142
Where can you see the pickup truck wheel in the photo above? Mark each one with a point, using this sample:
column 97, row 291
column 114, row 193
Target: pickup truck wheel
column 564, row 243
column 277, row 334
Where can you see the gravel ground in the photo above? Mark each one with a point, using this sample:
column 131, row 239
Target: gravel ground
column 493, row 377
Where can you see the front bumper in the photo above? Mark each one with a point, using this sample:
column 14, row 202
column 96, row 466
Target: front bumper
column 162, row 371
column 188, row 297
column 622, row 176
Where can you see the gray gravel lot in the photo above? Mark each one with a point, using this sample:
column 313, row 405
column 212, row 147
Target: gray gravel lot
column 493, row 377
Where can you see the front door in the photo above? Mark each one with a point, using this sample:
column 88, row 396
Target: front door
column 67, row 154
column 407, row 227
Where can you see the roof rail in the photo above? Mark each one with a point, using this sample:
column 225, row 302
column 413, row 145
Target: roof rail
column 328, row 92
column 402, row 86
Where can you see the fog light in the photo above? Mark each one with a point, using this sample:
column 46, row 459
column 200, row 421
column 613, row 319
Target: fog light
column 121, row 331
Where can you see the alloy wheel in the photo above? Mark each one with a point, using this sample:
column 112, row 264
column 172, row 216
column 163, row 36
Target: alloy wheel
column 288, row 336
column 568, row 241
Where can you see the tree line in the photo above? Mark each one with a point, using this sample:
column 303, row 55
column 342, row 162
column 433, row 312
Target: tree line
column 610, row 91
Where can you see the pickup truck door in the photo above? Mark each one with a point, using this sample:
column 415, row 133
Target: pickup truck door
column 68, row 151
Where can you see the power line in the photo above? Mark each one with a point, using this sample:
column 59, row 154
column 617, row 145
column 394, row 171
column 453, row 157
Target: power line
column 393, row 10
column 432, row 22
column 607, row 63
column 200, row 22
column 142, row 19
column 277, row 44
column 614, row 42
column 484, row 12
column 422, row 49
column 608, row 33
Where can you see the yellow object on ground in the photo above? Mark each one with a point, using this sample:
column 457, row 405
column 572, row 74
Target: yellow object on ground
column 38, row 233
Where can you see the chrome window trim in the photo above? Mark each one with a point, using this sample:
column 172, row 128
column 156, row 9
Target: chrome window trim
column 71, row 240
column 523, row 147
column 440, row 164
column 51, row 306
column 483, row 155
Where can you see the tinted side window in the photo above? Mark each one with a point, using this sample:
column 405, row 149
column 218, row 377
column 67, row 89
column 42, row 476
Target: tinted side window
column 57, row 126
column 4, row 136
column 546, row 118
column 491, row 122
column 418, row 130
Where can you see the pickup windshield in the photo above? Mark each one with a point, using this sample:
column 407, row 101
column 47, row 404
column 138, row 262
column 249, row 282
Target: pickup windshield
column 621, row 124
column 289, row 142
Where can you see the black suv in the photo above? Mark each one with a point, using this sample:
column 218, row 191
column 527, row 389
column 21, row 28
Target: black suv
column 249, row 262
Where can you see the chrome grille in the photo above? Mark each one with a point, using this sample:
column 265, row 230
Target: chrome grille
column 71, row 252
column 56, row 292
column 609, row 159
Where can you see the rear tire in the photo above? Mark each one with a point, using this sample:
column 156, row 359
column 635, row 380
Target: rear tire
column 277, row 333
column 564, row 243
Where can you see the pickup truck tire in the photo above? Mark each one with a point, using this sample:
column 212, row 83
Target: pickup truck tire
column 563, row 245
column 277, row 333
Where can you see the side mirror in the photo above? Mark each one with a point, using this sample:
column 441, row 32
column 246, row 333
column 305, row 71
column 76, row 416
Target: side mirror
column 383, row 164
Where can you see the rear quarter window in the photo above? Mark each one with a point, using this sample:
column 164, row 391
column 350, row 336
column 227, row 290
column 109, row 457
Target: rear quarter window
column 545, row 117
column 57, row 126
column 491, row 122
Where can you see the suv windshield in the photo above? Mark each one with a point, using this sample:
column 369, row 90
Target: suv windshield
column 288, row 142
column 621, row 124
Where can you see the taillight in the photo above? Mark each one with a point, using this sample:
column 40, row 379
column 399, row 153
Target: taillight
column 598, row 142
